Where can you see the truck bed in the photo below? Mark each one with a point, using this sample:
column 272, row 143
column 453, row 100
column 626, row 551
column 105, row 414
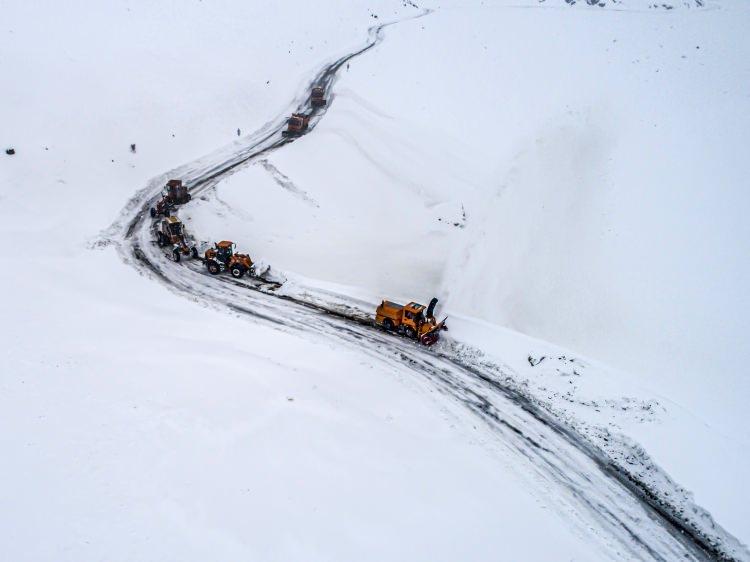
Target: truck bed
column 388, row 309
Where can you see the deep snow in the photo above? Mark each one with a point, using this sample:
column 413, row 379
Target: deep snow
column 139, row 425
column 143, row 414
column 601, row 174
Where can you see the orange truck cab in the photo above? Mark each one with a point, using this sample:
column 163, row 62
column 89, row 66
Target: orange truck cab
column 413, row 320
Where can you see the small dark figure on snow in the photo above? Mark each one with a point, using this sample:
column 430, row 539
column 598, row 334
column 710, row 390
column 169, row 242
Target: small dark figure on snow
column 132, row 148
column 10, row 151
column 238, row 132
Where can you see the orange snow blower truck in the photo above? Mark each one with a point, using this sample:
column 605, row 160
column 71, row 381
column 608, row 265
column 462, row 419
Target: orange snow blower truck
column 297, row 124
column 414, row 320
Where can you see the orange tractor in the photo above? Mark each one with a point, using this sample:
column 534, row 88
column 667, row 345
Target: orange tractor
column 415, row 321
column 171, row 232
column 174, row 193
column 296, row 125
column 222, row 257
column 317, row 98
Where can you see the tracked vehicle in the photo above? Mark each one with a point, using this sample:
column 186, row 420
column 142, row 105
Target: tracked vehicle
column 414, row 320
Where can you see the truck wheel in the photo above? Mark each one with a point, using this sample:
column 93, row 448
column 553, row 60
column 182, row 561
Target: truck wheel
column 176, row 255
column 237, row 272
column 410, row 333
column 159, row 238
column 213, row 267
column 194, row 253
column 153, row 212
column 387, row 325
column 189, row 197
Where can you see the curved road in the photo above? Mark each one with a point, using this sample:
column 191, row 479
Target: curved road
column 624, row 513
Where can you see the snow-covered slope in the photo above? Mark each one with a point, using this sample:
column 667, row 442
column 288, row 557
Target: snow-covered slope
column 602, row 180
column 139, row 425
column 590, row 193
column 486, row 153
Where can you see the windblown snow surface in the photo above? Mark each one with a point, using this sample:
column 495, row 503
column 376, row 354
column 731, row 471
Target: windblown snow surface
column 561, row 172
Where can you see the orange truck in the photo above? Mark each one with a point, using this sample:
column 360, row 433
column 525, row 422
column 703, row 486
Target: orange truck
column 297, row 124
column 414, row 320
column 318, row 97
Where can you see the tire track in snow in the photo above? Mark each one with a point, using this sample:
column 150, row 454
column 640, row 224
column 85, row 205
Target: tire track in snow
column 603, row 498
column 282, row 180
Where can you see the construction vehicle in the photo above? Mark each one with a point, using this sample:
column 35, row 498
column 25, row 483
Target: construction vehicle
column 222, row 257
column 414, row 320
column 317, row 98
column 174, row 193
column 162, row 207
column 296, row 125
column 171, row 232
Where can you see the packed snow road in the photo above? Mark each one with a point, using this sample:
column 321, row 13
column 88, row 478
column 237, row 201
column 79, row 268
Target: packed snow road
column 599, row 497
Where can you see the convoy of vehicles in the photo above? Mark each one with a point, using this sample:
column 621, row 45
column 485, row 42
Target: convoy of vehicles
column 413, row 320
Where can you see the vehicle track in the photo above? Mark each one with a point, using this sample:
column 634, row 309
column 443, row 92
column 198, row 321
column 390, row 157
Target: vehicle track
column 600, row 496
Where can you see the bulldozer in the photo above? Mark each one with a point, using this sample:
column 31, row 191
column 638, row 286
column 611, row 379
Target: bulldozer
column 414, row 320
column 222, row 257
column 171, row 232
column 296, row 125
column 174, row 193
column 317, row 97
